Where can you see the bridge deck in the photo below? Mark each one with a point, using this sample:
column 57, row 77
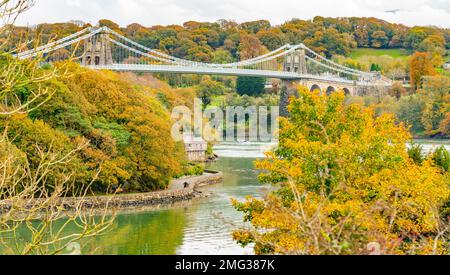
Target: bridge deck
column 219, row 71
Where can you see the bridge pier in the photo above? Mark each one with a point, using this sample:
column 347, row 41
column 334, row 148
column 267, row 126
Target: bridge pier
column 289, row 88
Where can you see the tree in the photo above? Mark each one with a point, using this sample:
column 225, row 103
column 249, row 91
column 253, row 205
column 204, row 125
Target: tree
column 441, row 158
column 222, row 57
column 330, row 42
column 362, row 37
column 108, row 23
column 33, row 186
column 435, row 95
column 379, row 39
column 254, row 27
column 420, row 65
column 345, row 184
column 250, row 47
column 397, row 90
column 207, row 88
column 271, row 39
column 251, row 86
column 375, row 68
column 200, row 54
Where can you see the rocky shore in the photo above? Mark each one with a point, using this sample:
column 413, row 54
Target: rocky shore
column 176, row 193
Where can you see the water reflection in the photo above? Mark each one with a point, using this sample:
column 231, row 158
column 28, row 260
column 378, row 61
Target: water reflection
column 202, row 226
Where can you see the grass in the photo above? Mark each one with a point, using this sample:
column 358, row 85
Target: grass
column 396, row 53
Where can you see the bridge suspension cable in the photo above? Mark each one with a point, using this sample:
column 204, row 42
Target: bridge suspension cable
column 336, row 64
column 57, row 44
column 285, row 61
column 247, row 62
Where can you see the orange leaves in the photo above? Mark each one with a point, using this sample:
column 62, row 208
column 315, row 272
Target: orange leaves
column 128, row 129
column 420, row 65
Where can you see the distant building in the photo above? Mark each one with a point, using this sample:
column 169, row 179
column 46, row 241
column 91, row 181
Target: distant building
column 447, row 66
column 196, row 148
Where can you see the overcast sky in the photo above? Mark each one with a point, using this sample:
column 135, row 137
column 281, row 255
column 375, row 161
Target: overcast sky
column 165, row 12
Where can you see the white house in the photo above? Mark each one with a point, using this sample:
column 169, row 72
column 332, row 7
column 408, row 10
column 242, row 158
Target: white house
column 196, row 148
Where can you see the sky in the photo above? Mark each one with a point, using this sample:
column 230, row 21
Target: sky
column 167, row 12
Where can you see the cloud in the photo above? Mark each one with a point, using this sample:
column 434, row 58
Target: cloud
column 441, row 4
column 164, row 12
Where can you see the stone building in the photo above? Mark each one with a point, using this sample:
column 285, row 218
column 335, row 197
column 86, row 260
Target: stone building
column 196, row 148
column 98, row 51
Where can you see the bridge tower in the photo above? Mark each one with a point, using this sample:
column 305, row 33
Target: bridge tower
column 296, row 62
column 97, row 51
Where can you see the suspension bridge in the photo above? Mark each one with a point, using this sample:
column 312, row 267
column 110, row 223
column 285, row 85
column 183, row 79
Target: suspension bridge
column 101, row 48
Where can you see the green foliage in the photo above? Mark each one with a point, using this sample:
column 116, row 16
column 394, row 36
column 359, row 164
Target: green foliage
column 117, row 132
column 210, row 150
column 195, row 170
column 256, row 26
column 208, row 88
column 375, row 68
column 331, row 42
column 441, row 158
column 416, row 153
column 251, row 86
column 410, row 111
column 426, row 112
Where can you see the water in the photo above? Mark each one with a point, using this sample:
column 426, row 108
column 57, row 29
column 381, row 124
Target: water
column 431, row 145
column 201, row 226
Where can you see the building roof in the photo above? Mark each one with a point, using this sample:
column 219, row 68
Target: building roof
column 189, row 139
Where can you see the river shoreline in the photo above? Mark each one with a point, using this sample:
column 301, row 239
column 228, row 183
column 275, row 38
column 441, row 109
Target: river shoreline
column 176, row 193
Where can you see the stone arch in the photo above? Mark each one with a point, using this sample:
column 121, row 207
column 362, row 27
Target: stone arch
column 315, row 87
column 346, row 91
column 88, row 60
column 331, row 90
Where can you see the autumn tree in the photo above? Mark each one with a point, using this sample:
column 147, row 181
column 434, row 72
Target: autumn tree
column 254, row 27
column 345, row 184
column 250, row 46
column 41, row 168
column 420, row 65
column 108, row 23
column 397, row 90
column 436, row 99
column 330, row 42
column 272, row 39
column 379, row 39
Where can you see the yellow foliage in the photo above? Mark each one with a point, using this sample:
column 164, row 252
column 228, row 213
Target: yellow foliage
column 345, row 181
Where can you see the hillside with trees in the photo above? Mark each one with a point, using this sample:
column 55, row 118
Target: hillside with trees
column 408, row 55
column 127, row 126
column 225, row 40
